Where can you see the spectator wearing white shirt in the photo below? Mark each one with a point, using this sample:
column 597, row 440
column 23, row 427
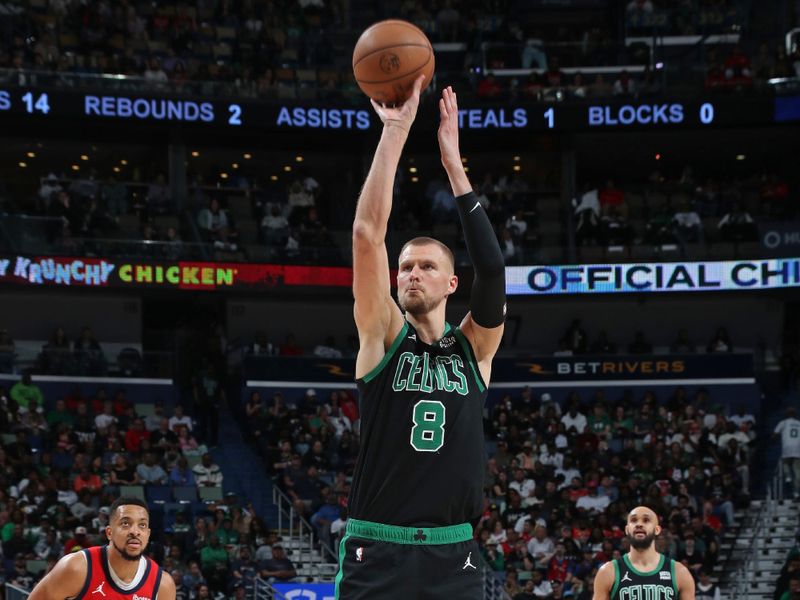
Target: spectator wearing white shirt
column 49, row 188
column 741, row 416
column 687, row 225
column 179, row 419
column 525, row 486
column 328, row 349
column 541, row 547
column 587, row 215
column 733, row 432
column 106, row 418
column 207, row 473
column 789, row 431
column 575, row 419
column 550, row 456
column 547, row 403
column 340, row 421
column 594, row 503
column 568, row 471
column 541, row 587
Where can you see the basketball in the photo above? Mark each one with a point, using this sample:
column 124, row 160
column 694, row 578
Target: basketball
column 388, row 58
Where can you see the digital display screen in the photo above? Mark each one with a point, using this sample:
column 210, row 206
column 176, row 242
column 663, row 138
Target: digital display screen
column 738, row 275
column 254, row 114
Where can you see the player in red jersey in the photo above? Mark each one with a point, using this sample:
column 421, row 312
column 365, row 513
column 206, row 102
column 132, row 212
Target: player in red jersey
column 117, row 571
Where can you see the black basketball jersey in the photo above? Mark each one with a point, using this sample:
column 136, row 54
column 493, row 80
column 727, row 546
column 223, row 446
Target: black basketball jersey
column 658, row 584
column 422, row 455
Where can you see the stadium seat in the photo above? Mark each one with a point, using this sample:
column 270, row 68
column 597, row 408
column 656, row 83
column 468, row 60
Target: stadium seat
column 695, row 251
column 748, row 250
column 185, row 493
column 722, row 251
column 165, row 222
column 68, row 41
column 36, row 566
column 144, row 409
column 259, row 253
column 210, row 494
column 240, row 207
column 592, row 254
column 156, row 47
column 642, row 253
column 158, row 493
column 226, row 33
column 248, row 231
column 132, row 491
column 222, row 50
column 193, row 460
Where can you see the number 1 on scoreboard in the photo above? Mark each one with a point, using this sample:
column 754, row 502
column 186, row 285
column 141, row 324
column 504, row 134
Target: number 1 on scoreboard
column 549, row 116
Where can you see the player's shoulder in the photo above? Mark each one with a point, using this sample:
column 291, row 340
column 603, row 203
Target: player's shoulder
column 681, row 570
column 74, row 563
column 606, row 574
column 166, row 586
column 608, row 566
column 70, row 571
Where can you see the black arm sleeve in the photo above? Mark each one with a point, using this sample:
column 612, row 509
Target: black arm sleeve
column 488, row 299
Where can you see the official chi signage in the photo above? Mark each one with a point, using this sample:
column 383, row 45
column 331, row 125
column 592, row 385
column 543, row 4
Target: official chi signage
column 655, row 277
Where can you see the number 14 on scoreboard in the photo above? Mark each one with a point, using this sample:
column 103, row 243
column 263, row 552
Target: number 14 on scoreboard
column 36, row 104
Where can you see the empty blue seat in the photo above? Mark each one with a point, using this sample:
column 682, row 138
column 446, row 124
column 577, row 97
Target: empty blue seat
column 158, row 493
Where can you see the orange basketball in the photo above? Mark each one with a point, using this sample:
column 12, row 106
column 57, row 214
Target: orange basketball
column 388, row 57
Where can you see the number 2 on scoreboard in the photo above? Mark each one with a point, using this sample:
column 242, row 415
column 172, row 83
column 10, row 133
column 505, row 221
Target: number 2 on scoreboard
column 236, row 114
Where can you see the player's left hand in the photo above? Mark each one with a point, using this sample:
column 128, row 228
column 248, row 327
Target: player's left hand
column 448, row 128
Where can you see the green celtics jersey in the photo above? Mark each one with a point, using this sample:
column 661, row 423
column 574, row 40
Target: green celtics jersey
column 422, row 451
column 658, row 584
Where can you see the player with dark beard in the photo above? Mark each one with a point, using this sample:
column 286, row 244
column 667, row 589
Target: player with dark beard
column 116, row 571
column 643, row 573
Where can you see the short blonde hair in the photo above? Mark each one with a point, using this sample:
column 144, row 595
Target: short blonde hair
column 429, row 241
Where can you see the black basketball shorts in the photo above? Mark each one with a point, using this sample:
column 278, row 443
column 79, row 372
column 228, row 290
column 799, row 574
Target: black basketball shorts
column 385, row 562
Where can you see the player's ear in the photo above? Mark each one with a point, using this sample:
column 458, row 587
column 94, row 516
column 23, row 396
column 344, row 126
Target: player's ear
column 453, row 284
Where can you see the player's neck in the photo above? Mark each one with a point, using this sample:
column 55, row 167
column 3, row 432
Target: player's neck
column 124, row 569
column 648, row 557
column 430, row 326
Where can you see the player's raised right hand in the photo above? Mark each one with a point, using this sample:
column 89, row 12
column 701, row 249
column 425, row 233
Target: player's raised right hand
column 402, row 116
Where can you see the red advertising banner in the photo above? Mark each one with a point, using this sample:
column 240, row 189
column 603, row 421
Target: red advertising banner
column 63, row 271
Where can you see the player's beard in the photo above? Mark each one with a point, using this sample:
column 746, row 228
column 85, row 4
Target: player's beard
column 127, row 555
column 643, row 543
column 418, row 304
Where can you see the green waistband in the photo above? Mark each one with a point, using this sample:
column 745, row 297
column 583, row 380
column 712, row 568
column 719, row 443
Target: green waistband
column 426, row 536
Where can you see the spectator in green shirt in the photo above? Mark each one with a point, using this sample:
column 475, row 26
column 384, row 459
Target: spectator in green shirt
column 793, row 593
column 214, row 560
column 227, row 534
column 60, row 415
column 600, row 422
column 213, row 556
column 25, row 390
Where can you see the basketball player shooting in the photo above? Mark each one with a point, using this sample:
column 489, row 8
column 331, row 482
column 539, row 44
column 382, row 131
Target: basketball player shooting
column 418, row 482
column 116, row 571
column 643, row 573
